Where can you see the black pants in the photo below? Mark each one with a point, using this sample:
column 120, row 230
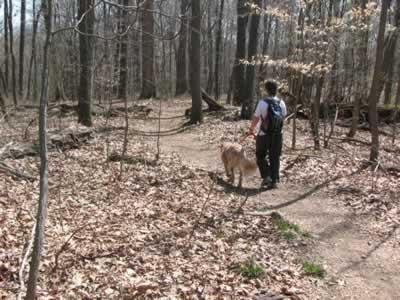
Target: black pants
column 271, row 145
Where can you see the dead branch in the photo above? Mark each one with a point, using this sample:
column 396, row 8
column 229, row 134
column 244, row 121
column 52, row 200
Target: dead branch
column 4, row 168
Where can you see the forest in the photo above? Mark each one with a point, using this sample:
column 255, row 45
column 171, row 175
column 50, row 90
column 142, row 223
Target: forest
column 114, row 117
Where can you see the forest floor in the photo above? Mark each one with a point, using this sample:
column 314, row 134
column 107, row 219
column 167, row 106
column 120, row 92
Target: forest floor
column 175, row 229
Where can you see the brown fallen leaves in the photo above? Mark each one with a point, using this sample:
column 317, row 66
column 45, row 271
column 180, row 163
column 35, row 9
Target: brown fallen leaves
column 149, row 235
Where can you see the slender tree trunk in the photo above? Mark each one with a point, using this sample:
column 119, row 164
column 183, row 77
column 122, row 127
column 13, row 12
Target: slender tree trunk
column 3, row 106
column 86, row 49
column 218, row 42
column 363, row 78
column 315, row 110
column 181, row 59
column 32, row 61
column 266, row 38
column 210, row 56
column 22, row 48
column 6, row 45
column 148, row 84
column 195, row 62
column 389, row 55
column 247, row 106
column 42, row 206
column 13, row 62
column 396, row 108
column 239, row 68
column 377, row 78
column 123, row 56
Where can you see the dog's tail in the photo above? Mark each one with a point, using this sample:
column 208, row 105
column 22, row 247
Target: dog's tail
column 248, row 166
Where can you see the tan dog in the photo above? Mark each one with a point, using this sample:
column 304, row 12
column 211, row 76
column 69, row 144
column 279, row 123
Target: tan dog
column 233, row 156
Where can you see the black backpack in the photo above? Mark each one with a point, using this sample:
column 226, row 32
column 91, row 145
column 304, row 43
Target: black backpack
column 274, row 120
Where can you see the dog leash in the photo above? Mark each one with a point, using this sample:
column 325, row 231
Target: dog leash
column 246, row 136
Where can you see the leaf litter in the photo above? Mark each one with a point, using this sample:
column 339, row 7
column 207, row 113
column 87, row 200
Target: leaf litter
column 149, row 235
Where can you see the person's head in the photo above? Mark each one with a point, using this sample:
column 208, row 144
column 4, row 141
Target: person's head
column 271, row 87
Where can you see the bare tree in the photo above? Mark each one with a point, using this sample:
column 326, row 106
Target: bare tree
column 11, row 47
column 22, row 48
column 378, row 76
column 148, row 83
column 123, row 55
column 6, row 45
column 181, row 59
column 239, row 68
column 86, row 47
column 195, row 25
column 218, row 53
column 32, row 61
column 42, row 205
column 363, row 62
column 247, row 105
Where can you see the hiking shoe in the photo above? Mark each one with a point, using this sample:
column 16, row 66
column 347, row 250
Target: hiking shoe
column 272, row 185
column 266, row 181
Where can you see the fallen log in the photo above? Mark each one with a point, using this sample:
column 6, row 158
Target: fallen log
column 213, row 105
column 63, row 140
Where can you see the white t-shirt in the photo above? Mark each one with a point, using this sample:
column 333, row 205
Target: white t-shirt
column 262, row 110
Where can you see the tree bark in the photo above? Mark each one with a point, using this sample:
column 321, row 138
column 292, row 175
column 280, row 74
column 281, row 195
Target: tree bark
column 195, row 63
column 363, row 78
column 210, row 56
column 218, row 41
column 377, row 78
column 247, row 106
column 123, row 55
column 148, row 84
column 32, row 61
column 181, row 59
column 42, row 205
column 22, row 48
column 239, row 83
column 6, row 46
column 13, row 62
column 86, row 48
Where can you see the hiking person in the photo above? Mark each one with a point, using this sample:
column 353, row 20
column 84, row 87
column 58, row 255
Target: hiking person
column 268, row 118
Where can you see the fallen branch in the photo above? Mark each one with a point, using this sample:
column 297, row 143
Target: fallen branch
column 4, row 168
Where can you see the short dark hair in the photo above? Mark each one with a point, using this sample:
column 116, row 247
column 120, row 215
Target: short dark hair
column 271, row 87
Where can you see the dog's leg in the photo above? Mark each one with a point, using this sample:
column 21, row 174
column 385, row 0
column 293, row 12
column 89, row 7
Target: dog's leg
column 232, row 176
column 225, row 161
column 240, row 178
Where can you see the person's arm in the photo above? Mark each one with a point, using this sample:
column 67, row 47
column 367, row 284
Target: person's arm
column 284, row 110
column 254, row 123
column 255, row 119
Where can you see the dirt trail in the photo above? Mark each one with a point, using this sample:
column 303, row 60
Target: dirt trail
column 360, row 263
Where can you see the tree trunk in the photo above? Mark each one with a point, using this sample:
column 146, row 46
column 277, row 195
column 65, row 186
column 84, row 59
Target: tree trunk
column 181, row 59
column 13, row 62
column 86, row 49
column 32, row 61
column 363, row 78
column 315, row 111
column 195, row 63
column 42, row 205
column 266, row 37
column 218, row 42
column 210, row 56
column 389, row 55
column 123, row 55
column 397, row 108
column 148, row 84
column 6, row 46
column 247, row 106
column 22, row 48
column 239, row 83
column 377, row 78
